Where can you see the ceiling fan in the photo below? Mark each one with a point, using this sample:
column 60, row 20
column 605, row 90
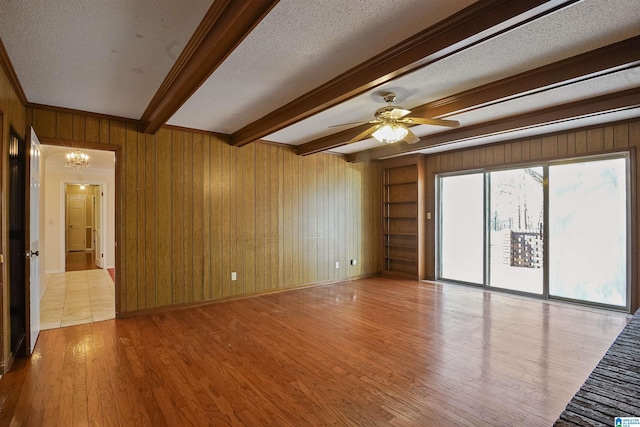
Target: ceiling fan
column 390, row 124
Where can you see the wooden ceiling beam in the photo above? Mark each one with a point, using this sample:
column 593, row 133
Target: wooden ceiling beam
column 618, row 101
column 608, row 59
column 480, row 21
column 223, row 28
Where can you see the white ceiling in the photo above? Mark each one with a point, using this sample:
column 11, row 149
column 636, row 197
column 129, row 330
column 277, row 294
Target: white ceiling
column 298, row 46
column 106, row 56
column 111, row 56
column 100, row 161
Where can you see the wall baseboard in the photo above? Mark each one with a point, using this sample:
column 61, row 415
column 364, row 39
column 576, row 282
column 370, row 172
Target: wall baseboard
column 237, row 297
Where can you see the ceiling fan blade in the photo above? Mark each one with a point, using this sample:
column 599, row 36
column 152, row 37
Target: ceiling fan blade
column 436, row 122
column 362, row 135
column 411, row 138
column 349, row 124
column 398, row 113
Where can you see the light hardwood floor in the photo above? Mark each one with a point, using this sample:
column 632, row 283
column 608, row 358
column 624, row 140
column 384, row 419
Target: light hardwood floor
column 366, row 352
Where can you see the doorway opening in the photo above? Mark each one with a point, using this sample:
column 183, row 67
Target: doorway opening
column 79, row 217
column 83, row 220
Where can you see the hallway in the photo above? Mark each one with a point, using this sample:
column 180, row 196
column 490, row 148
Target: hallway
column 82, row 260
column 77, row 297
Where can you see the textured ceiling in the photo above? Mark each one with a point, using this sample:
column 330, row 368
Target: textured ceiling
column 111, row 56
column 106, row 56
column 298, row 46
column 534, row 45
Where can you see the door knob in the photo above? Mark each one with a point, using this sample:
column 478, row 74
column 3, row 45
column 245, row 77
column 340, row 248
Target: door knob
column 36, row 253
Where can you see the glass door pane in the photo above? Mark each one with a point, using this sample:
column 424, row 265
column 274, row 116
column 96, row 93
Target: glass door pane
column 462, row 228
column 516, row 227
column 588, row 231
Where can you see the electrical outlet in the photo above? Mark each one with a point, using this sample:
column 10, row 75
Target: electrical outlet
column 337, row 264
column 234, row 275
column 353, row 262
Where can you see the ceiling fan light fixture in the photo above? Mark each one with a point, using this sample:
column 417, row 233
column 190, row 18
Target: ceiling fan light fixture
column 390, row 133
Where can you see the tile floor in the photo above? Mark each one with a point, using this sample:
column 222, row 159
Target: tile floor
column 77, row 297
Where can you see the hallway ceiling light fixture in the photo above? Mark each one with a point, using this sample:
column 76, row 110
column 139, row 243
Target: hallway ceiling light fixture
column 77, row 160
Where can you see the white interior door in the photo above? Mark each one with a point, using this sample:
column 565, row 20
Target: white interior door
column 97, row 222
column 34, row 247
column 76, row 222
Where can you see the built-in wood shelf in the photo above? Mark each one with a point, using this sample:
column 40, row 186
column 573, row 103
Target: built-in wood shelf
column 402, row 199
column 412, row 218
column 402, row 246
column 400, row 259
column 401, row 183
column 405, row 202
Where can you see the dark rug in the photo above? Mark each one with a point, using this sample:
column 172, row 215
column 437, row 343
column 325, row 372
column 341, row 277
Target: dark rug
column 613, row 388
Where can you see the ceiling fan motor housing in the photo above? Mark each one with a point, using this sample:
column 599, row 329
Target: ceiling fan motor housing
column 385, row 113
column 389, row 98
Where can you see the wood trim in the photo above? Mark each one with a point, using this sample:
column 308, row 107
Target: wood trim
column 5, row 61
column 397, row 162
column 64, row 110
column 101, row 116
column 79, row 144
column 119, row 171
column 480, row 21
column 528, row 138
column 565, row 112
column 167, row 308
column 596, row 63
column 608, row 59
column 422, row 228
column 222, row 136
column 634, row 302
column 223, row 28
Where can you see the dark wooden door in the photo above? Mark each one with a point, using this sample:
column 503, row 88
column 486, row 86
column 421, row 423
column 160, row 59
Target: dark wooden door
column 17, row 249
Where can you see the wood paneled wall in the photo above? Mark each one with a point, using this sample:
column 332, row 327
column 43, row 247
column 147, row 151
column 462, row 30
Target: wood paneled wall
column 596, row 140
column 13, row 117
column 193, row 209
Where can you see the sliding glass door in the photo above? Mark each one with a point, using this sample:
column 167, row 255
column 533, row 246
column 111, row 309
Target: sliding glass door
column 462, row 228
column 516, row 226
column 588, row 231
column 556, row 230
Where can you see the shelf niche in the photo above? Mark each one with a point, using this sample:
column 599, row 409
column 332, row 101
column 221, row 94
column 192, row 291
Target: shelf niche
column 403, row 217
